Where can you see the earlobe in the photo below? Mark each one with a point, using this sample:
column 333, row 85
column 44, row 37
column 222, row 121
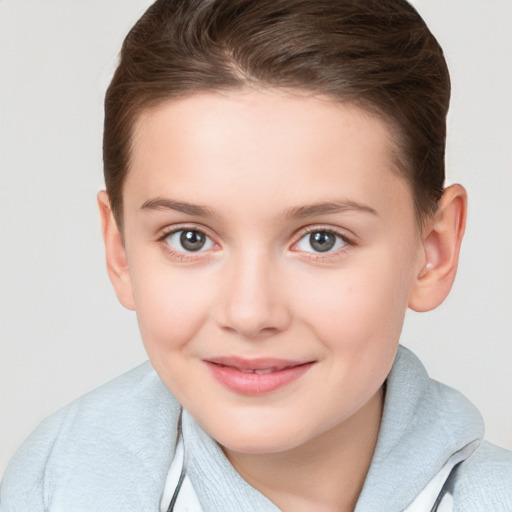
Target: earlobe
column 442, row 239
column 117, row 263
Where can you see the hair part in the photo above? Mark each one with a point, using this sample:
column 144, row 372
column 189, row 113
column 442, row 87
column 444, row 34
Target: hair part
column 376, row 54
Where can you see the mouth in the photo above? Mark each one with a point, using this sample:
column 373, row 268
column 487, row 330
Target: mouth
column 262, row 371
column 253, row 377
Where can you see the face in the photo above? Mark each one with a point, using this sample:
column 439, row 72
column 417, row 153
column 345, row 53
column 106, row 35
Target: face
column 271, row 251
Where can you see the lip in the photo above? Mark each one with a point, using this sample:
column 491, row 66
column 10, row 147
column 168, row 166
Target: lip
column 238, row 374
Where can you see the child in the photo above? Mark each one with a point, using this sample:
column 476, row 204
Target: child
column 274, row 203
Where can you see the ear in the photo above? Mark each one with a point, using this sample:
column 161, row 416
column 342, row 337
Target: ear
column 441, row 240
column 117, row 263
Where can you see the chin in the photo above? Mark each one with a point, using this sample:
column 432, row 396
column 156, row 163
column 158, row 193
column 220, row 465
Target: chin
column 261, row 441
column 258, row 446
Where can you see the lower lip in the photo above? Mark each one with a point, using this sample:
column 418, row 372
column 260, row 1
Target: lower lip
column 252, row 384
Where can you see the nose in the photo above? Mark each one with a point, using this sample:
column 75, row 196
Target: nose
column 252, row 302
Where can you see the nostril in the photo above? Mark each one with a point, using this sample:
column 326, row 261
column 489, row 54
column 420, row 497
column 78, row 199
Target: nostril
column 252, row 304
column 251, row 332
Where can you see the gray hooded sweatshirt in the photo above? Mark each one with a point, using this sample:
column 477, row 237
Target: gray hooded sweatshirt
column 120, row 448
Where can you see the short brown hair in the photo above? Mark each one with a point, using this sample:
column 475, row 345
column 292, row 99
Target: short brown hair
column 378, row 54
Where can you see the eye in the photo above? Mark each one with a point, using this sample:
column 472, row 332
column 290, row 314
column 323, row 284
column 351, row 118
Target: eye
column 321, row 241
column 188, row 240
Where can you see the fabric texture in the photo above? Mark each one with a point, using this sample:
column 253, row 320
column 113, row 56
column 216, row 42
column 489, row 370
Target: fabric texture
column 111, row 450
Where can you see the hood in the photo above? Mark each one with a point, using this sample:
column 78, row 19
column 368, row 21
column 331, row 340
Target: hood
column 426, row 429
column 425, row 426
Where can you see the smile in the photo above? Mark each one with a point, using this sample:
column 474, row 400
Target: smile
column 261, row 372
column 256, row 377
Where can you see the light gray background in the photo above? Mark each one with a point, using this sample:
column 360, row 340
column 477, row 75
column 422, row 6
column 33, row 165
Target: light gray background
column 62, row 331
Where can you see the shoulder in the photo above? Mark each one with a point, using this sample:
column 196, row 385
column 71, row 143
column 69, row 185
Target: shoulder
column 484, row 480
column 90, row 443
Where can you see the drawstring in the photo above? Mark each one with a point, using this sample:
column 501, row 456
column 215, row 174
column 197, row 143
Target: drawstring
column 445, row 490
column 174, row 498
column 177, row 490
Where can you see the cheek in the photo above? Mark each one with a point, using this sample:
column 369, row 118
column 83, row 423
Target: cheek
column 358, row 306
column 172, row 306
column 357, row 316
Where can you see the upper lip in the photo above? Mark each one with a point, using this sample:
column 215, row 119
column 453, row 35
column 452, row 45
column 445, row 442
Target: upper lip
column 264, row 363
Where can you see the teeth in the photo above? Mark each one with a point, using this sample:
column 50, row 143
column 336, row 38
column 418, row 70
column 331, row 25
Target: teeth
column 263, row 372
column 259, row 372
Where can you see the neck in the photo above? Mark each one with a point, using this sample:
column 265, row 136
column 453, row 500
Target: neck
column 326, row 473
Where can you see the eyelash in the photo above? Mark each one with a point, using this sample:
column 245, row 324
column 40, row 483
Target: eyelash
column 318, row 256
column 315, row 256
column 179, row 255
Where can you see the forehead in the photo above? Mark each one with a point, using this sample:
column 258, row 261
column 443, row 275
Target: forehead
column 269, row 144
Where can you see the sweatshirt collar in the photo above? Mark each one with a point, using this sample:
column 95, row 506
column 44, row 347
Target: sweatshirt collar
column 423, row 424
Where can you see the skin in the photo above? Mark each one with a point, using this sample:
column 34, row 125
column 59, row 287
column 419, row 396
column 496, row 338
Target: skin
column 255, row 162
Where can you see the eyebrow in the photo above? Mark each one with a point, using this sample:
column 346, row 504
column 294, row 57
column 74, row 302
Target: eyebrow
column 160, row 203
column 328, row 207
column 311, row 210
